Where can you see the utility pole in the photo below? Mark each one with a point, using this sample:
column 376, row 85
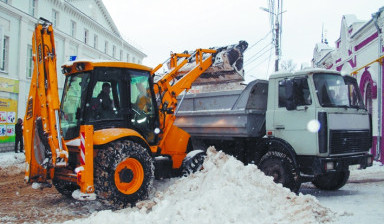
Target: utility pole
column 276, row 26
column 277, row 46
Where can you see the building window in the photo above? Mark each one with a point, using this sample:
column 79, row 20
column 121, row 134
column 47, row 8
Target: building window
column 55, row 18
column 73, row 28
column 32, row 7
column 127, row 57
column 4, row 61
column 95, row 41
column 121, row 55
column 133, row 60
column 106, row 47
column 86, row 34
column 114, row 51
column 29, row 62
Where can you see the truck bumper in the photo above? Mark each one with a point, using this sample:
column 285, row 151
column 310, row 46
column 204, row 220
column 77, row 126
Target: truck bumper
column 311, row 165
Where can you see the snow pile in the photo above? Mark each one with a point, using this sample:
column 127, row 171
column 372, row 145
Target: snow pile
column 11, row 163
column 226, row 191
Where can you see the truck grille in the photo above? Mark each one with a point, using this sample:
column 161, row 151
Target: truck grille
column 341, row 141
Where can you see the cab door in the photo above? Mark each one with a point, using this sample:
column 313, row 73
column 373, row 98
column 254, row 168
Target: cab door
column 144, row 115
column 294, row 119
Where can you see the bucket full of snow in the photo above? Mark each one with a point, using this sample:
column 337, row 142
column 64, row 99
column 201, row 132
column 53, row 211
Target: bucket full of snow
column 227, row 65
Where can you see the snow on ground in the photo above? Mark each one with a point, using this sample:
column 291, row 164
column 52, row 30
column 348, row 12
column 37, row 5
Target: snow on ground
column 226, row 191
column 13, row 162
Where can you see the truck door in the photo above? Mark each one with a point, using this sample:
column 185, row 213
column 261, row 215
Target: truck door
column 295, row 123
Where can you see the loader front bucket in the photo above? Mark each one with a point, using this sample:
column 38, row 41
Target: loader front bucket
column 227, row 65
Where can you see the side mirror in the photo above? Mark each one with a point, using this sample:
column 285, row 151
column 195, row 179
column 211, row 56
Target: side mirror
column 290, row 95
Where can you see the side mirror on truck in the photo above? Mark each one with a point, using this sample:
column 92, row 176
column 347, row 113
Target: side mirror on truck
column 290, row 95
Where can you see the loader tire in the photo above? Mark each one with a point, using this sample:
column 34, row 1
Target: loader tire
column 331, row 181
column 124, row 174
column 65, row 188
column 193, row 162
column 280, row 166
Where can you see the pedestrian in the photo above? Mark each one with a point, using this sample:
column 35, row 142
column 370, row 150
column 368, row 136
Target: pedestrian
column 19, row 135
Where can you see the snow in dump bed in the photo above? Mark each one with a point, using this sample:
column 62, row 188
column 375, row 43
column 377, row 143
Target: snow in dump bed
column 226, row 191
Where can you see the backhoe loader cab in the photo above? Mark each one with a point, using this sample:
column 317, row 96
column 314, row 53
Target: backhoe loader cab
column 108, row 95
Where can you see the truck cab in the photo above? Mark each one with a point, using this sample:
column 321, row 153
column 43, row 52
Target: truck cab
column 320, row 114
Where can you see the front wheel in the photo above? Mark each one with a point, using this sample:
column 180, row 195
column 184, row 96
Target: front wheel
column 123, row 174
column 331, row 181
column 280, row 166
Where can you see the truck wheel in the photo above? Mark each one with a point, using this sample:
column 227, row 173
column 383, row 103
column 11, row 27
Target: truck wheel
column 124, row 174
column 193, row 162
column 65, row 188
column 280, row 167
column 331, row 181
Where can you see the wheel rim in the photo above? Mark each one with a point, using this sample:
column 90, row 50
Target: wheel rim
column 129, row 176
column 276, row 172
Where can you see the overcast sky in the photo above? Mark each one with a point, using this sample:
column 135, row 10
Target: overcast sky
column 161, row 26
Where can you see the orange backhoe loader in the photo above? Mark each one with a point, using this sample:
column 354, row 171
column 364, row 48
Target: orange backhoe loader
column 113, row 131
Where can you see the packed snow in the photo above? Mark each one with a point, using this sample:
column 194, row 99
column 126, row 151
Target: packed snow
column 226, row 191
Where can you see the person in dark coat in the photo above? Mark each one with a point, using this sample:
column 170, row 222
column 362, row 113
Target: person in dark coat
column 19, row 135
column 106, row 106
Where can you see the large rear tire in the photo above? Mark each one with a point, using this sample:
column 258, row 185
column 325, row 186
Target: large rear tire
column 124, row 174
column 331, row 181
column 280, row 166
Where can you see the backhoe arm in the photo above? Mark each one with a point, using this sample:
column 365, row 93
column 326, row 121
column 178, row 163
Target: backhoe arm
column 44, row 144
column 224, row 64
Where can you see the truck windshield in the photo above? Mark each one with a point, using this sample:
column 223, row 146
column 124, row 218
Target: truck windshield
column 337, row 91
column 74, row 92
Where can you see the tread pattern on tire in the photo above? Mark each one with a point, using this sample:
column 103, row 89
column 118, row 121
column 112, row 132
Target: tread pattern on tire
column 105, row 165
column 194, row 163
column 291, row 178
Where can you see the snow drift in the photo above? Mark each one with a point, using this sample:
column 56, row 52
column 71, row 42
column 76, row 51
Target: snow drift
column 226, row 191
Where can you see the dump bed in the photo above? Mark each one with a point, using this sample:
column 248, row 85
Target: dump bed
column 236, row 113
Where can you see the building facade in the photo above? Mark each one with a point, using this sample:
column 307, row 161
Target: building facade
column 359, row 52
column 83, row 29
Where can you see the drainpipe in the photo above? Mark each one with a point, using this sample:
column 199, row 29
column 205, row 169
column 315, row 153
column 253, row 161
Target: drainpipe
column 375, row 17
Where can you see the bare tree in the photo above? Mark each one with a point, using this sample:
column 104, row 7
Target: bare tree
column 288, row 65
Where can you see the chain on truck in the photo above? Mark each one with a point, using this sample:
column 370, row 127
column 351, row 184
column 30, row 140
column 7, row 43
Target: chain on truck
column 113, row 131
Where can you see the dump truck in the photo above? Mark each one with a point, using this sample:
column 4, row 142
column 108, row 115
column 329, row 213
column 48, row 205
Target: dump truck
column 113, row 130
column 297, row 127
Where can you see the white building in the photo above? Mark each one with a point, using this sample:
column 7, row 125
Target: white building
column 360, row 52
column 83, row 28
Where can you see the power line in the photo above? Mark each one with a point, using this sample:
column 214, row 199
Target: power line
column 258, row 64
column 259, row 40
column 252, row 59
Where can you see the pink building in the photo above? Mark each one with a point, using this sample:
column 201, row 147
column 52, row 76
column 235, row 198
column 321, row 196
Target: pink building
column 360, row 52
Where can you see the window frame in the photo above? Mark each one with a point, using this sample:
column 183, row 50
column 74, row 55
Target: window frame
column 30, row 65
